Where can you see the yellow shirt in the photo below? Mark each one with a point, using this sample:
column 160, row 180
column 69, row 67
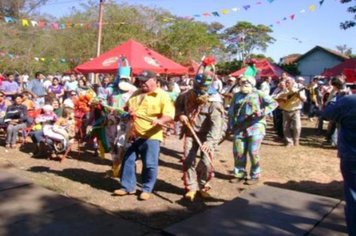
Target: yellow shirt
column 151, row 106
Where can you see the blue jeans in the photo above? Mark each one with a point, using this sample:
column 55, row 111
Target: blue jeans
column 348, row 170
column 149, row 153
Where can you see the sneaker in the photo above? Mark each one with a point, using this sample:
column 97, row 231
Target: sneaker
column 204, row 194
column 122, row 192
column 252, row 181
column 144, row 196
column 190, row 195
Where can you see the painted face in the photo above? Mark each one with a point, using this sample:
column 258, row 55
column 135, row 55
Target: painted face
column 246, row 86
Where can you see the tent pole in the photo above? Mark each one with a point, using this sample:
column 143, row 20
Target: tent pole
column 100, row 25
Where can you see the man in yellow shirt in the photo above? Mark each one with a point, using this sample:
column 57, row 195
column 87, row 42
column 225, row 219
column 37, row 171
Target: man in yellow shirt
column 150, row 108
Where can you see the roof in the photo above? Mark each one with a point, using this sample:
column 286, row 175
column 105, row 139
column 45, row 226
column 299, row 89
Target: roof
column 139, row 57
column 329, row 51
column 290, row 59
column 339, row 69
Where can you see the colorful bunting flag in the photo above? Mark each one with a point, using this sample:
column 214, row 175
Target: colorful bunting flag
column 215, row 13
column 25, row 23
column 312, row 7
column 225, row 11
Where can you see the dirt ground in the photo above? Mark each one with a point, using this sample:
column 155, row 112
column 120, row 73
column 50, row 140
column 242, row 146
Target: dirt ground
column 311, row 168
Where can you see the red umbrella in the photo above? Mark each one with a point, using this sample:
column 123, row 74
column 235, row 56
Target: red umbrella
column 265, row 69
column 140, row 58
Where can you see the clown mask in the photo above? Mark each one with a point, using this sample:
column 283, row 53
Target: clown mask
column 247, row 84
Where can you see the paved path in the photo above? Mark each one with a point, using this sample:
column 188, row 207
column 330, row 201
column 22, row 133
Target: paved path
column 27, row 209
column 268, row 211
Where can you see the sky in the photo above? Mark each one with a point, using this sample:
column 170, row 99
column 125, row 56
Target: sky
column 307, row 30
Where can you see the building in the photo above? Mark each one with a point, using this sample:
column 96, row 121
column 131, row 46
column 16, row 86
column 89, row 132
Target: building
column 317, row 60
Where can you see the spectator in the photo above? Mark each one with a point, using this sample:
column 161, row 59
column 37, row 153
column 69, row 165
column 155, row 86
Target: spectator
column 16, row 117
column 71, row 85
column 343, row 111
column 30, row 105
column 217, row 84
column 82, row 86
column 3, row 107
column 56, row 88
column 37, row 90
column 266, row 85
column 10, row 87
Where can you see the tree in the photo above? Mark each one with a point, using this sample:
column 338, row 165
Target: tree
column 243, row 38
column 185, row 40
column 344, row 49
column 15, row 8
column 349, row 23
column 291, row 68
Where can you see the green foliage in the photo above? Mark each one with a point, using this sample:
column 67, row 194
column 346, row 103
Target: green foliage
column 349, row 23
column 292, row 69
column 228, row 67
column 243, row 38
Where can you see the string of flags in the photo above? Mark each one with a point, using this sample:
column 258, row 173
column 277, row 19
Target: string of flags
column 13, row 56
column 311, row 8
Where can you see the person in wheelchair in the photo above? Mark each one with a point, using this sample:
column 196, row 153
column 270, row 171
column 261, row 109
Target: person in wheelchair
column 62, row 132
column 46, row 118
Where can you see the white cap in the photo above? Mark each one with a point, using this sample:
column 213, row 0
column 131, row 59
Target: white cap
column 300, row 78
column 231, row 78
column 126, row 87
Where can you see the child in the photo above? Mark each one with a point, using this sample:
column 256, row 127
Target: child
column 62, row 130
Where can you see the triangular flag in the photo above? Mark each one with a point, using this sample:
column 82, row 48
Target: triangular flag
column 36, row 58
column 270, row 1
column 9, row 19
column 246, row 7
column 225, row 11
column 25, row 23
column 55, row 25
column 215, row 13
column 278, row 22
column 63, row 60
column 258, row 3
column 34, row 23
column 292, row 17
column 43, row 59
column 235, row 9
column 206, row 14
column 321, row 2
column 271, row 25
column 285, row 18
column 42, row 24
column 312, row 7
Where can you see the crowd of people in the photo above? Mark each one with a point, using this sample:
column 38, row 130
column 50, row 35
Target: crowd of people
column 129, row 118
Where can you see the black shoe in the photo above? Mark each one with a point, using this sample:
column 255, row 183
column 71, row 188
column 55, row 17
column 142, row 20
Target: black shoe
column 252, row 181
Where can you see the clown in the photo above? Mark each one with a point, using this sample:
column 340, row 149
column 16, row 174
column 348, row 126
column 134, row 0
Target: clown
column 201, row 112
column 247, row 123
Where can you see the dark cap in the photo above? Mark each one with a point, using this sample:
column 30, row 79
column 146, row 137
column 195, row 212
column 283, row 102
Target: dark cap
column 146, row 75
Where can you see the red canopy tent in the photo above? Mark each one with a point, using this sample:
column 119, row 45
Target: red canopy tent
column 193, row 67
column 339, row 69
column 265, row 69
column 140, row 58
